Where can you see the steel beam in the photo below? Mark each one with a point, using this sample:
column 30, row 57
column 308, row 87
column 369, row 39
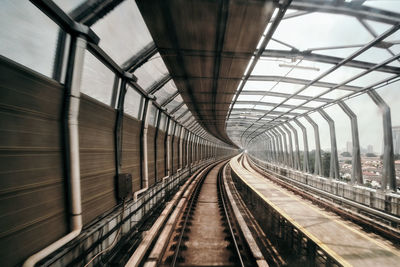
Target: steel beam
column 351, row 9
column 356, row 177
column 295, row 54
column 296, row 159
column 306, row 162
column 389, row 172
column 318, row 160
column 290, row 147
column 334, row 161
column 285, row 150
column 284, row 95
column 270, row 78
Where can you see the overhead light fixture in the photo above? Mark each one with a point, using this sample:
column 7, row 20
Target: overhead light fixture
column 299, row 67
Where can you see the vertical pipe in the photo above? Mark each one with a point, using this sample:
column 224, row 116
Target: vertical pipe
column 71, row 124
column 166, row 147
column 181, row 136
column 318, row 159
column 389, row 173
column 155, row 145
column 334, row 163
column 356, row 157
column 145, row 125
column 306, row 167
column 118, row 127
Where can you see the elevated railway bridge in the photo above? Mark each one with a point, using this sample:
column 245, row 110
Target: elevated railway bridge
column 199, row 133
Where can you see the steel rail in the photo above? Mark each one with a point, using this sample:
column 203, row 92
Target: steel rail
column 223, row 196
column 196, row 191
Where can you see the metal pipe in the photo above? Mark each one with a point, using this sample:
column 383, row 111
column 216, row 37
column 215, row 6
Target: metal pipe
column 181, row 148
column 334, row 162
column 389, row 173
column 72, row 87
column 318, row 159
column 356, row 157
column 145, row 167
column 306, row 167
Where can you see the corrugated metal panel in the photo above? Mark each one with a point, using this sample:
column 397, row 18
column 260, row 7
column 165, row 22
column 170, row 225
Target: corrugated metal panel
column 150, row 154
column 160, row 155
column 32, row 198
column 131, row 149
column 96, row 138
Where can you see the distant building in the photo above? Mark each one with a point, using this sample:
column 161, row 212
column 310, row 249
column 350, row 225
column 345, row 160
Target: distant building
column 370, row 149
column 349, row 147
column 396, row 139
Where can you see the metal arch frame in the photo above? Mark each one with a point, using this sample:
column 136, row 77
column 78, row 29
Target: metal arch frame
column 306, row 159
column 389, row 172
column 347, row 59
column 326, row 59
column 271, row 78
column 284, row 95
column 274, row 151
column 297, row 164
column 350, row 9
column 269, row 104
column 356, row 177
column 334, row 161
column 279, row 145
column 284, row 145
column 280, row 14
column 378, row 84
column 290, row 145
column 270, row 149
column 362, row 90
column 318, row 159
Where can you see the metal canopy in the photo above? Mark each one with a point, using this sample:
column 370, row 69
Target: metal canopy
column 211, row 39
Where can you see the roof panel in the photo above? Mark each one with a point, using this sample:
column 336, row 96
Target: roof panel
column 150, row 72
column 113, row 28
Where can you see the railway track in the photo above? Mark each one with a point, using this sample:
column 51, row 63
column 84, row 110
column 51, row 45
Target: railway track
column 206, row 233
column 203, row 229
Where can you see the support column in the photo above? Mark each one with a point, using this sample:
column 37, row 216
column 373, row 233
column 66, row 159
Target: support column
column 273, row 147
column 318, row 159
column 167, row 147
column 145, row 125
column 297, row 164
column 285, row 153
column 334, row 163
column 389, row 173
column 306, row 167
column 290, row 155
column 181, row 139
column 356, row 177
